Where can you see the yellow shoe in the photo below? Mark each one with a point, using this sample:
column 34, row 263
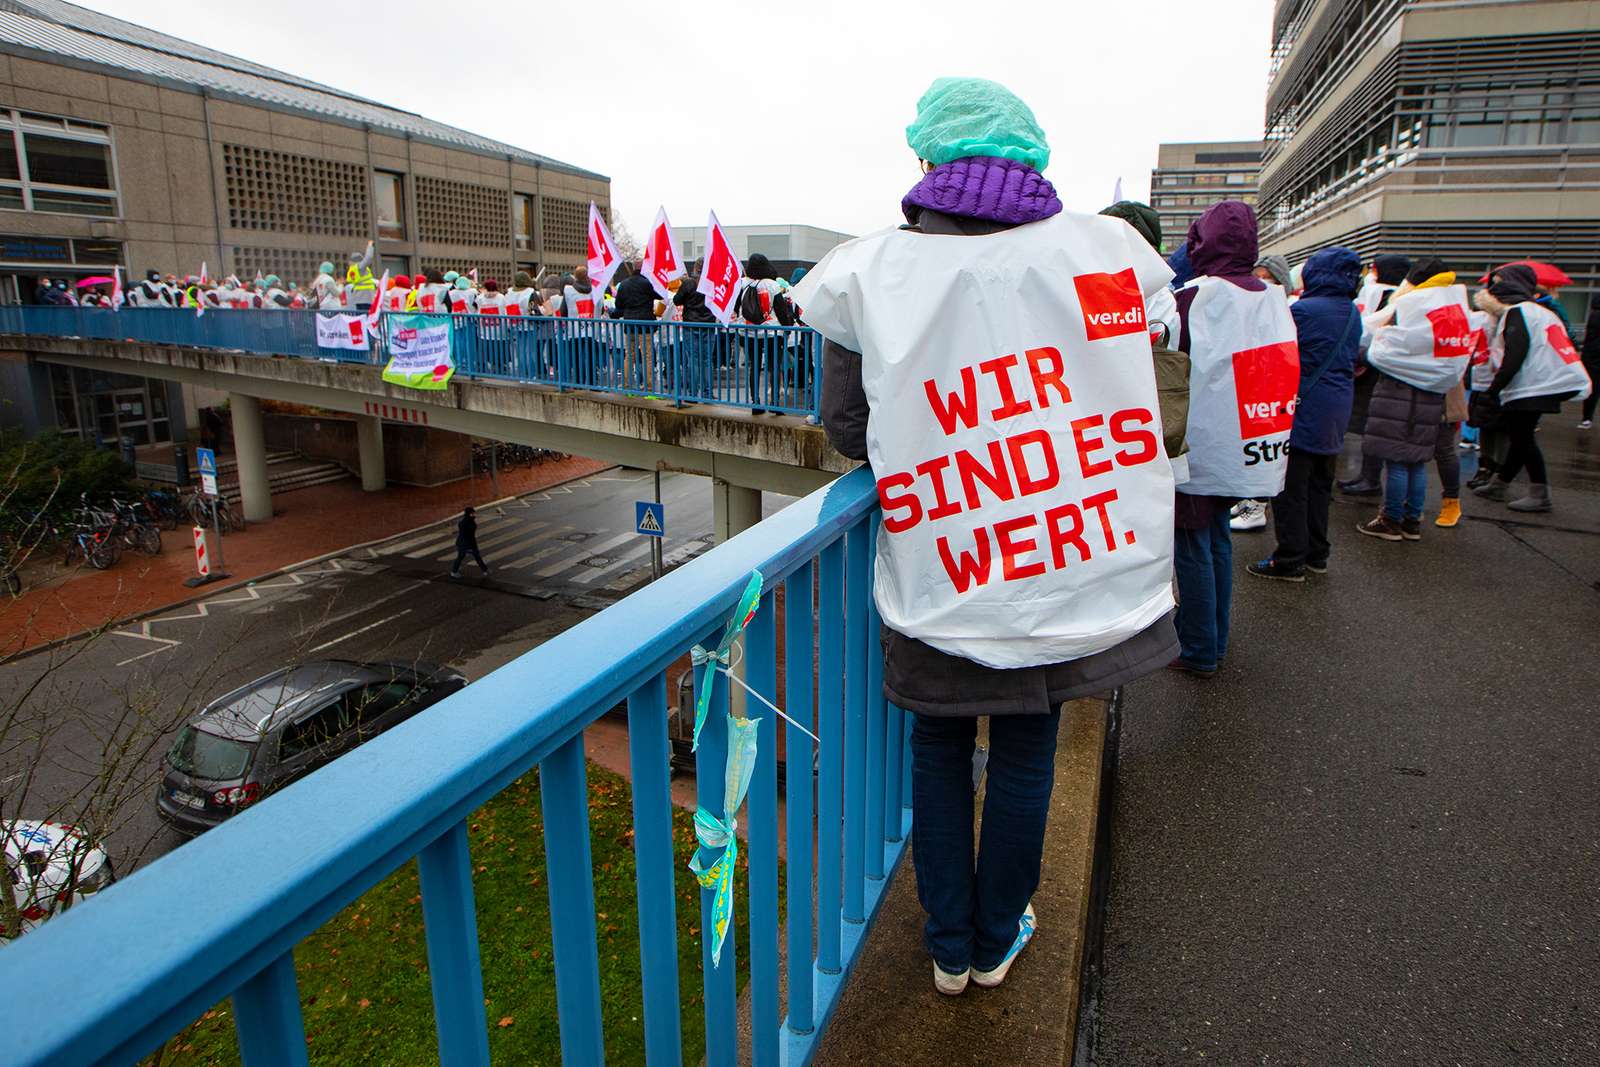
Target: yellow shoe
column 1449, row 512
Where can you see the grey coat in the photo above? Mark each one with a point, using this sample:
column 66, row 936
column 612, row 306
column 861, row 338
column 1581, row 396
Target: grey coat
column 1402, row 421
column 919, row 677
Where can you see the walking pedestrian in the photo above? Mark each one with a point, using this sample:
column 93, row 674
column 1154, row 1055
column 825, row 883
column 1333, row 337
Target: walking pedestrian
column 467, row 542
column 1591, row 363
column 1241, row 313
column 1389, row 272
column 1539, row 370
column 1405, row 415
column 1329, row 330
column 907, row 315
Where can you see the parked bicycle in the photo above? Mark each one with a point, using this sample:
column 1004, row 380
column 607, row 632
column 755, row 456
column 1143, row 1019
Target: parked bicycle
column 165, row 507
column 198, row 508
column 133, row 525
column 92, row 541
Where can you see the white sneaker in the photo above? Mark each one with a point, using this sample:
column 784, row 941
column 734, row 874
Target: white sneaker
column 1233, row 512
column 950, row 985
column 1025, row 930
column 1252, row 516
column 1586, row 424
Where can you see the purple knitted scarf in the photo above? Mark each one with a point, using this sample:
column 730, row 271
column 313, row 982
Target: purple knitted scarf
column 984, row 187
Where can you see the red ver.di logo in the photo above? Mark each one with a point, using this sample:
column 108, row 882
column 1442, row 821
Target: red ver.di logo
column 1559, row 341
column 1112, row 303
column 1452, row 333
column 1266, row 380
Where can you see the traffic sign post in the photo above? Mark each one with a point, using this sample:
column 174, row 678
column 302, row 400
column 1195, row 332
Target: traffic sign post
column 208, row 470
column 209, row 570
column 650, row 520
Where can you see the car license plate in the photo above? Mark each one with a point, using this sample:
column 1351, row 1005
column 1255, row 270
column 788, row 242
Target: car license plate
column 188, row 801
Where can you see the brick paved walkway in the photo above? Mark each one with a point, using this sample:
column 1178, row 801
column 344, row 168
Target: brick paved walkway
column 57, row 602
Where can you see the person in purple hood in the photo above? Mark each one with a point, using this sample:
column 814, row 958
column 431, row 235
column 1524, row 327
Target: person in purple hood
column 983, row 200
column 1222, row 243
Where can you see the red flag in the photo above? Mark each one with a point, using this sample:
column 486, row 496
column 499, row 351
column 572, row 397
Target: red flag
column 604, row 259
column 719, row 281
column 116, row 288
column 377, row 302
column 661, row 263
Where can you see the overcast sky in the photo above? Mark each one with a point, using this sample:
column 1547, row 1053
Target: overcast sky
column 770, row 113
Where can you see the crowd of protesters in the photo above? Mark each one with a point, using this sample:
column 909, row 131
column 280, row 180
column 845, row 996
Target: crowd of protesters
column 999, row 361
column 760, row 370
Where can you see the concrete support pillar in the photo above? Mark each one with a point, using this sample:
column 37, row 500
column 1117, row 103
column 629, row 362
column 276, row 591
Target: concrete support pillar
column 369, row 443
column 734, row 509
column 250, row 450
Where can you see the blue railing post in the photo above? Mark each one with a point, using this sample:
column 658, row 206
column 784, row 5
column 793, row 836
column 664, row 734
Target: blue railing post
column 720, row 989
column 649, row 761
column 894, row 749
column 266, row 1016
column 830, row 763
column 876, row 736
column 444, row 869
column 797, row 684
column 761, row 644
column 855, row 723
column 564, row 790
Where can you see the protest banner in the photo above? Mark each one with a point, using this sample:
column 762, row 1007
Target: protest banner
column 419, row 352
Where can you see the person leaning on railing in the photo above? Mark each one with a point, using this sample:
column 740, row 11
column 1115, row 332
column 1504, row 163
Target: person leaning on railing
column 964, row 354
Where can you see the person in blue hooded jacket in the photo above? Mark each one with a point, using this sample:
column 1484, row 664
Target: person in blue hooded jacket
column 1329, row 330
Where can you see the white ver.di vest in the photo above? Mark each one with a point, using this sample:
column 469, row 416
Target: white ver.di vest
column 1553, row 365
column 1028, row 510
column 1244, row 376
column 1487, row 352
column 1429, row 342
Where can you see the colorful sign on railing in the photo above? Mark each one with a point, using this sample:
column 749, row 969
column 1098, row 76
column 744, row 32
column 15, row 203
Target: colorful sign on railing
column 419, row 352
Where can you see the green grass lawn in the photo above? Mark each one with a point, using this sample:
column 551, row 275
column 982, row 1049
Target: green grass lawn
column 364, row 976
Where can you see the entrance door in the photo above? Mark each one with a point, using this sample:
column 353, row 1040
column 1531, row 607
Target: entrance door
column 133, row 420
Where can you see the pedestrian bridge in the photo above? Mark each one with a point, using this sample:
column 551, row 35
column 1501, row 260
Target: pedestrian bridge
column 221, row 916
column 670, row 396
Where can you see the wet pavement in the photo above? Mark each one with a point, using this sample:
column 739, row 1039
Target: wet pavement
column 1371, row 838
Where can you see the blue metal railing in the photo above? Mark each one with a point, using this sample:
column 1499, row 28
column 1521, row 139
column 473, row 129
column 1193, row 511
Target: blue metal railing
column 221, row 916
column 771, row 368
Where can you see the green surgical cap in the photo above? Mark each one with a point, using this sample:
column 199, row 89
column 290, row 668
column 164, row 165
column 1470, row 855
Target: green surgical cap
column 961, row 117
column 326, row 268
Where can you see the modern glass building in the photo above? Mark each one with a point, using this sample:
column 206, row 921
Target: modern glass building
column 1467, row 129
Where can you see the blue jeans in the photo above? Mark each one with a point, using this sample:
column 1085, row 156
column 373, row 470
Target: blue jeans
column 973, row 912
column 1203, row 560
column 1405, row 490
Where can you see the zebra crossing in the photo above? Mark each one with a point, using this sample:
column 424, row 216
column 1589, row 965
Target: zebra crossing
column 577, row 539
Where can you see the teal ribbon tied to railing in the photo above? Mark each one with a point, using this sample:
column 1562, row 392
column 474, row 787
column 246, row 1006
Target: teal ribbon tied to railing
column 710, row 662
column 713, row 861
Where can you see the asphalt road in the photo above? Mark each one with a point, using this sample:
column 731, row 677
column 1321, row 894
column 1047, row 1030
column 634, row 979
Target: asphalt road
column 100, row 712
column 1371, row 838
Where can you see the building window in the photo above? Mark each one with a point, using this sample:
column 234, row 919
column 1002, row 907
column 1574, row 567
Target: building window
column 395, row 265
column 390, row 204
column 54, row 164
column 522, row 220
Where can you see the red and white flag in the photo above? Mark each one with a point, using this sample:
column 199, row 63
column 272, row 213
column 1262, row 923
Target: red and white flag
column 205, row 279
column 604, row 259
column 661, row 262
column 377, row 302
column 719, row 280
column 116, row 288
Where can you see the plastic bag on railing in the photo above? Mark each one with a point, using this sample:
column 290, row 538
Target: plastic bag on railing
column 713, row 861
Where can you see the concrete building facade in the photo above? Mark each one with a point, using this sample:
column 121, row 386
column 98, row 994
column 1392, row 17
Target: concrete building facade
column 123, row 147
column 1190, row 177
column 1467, row 129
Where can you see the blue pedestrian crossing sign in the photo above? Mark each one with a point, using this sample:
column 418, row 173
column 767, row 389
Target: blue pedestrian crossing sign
column 650, row 518
column 208, row 470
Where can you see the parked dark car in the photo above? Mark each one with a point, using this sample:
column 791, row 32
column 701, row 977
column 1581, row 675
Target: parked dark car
column 278, row 729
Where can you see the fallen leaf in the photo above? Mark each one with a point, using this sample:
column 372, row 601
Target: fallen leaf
column 363, row 1003
column 505, row 1022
